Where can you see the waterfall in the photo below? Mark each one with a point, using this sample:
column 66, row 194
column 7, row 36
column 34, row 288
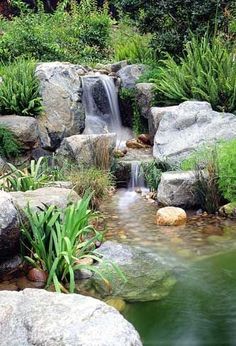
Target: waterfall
column 136, row 176
column 100, row 100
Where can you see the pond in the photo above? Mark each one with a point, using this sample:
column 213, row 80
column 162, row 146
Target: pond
column 201, row 308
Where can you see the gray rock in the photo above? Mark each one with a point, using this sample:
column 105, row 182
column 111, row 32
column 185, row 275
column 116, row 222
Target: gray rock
column 10, row 265
column 37, row 317
column 116, row 66
column 177, row 189
column 148, row 276
column 61, row 90
column 25, row 129
column 85, row 148
column 44, row 196
column 9, row 227
column 2, row 164
column 130, row 74
column 144, row 98
column 155, row 116
column 189, row 127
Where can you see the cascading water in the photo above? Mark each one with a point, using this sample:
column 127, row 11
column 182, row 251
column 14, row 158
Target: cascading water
column 136, row 177
column 100, row 99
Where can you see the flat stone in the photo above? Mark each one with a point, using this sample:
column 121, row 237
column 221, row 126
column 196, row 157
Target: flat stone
column 37, row 317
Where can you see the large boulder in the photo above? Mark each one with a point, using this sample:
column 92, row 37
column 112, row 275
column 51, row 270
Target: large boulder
column 178, row 189
column 59, row 197
column 147, row 276
column 25, row 129
column 37, row 317
column 188, row 127
column 144, row 97
column 130, row 74
column 85, row 149
column 61, row 91
column 155, row 116
column 9, row 227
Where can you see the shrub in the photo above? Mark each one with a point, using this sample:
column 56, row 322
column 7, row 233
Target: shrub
column 207, row 72
column 72, row 33
column 130, row 45
column 96, row 180
column 172, row 21
column 56, row 241
column 152, row 173
column 19, row 90
column 9, row 147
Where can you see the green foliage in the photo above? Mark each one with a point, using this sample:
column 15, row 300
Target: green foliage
column 172, row 21
column 9, row 147
column 93, row 179
column 31, row 178
column 130, row 45
column 57, row 240
column 152, row 173
column 216, row 172
column 72, row 33
column 19, row 90
column 207, row 72
column 227, row 169
column 127, row 96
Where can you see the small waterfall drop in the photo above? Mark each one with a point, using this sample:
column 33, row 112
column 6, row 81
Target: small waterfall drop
column 137, row 180
column 100, row 100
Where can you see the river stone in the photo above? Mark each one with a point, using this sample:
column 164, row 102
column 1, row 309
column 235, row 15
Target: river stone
column 61, row 90
column 148, row 276
column 228, row 210
column 59, row 197
column 37, row 317
column 177, row 189
column 130, row 74
column 9, row 227
column 25, row 129
column 189, row 127
column 171, row 216
column 85, row 148
column 144, row 98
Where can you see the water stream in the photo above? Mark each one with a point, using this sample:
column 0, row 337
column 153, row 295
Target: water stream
column 201, row 309
column 100, row 99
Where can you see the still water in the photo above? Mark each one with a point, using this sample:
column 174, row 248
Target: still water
column 201, row 308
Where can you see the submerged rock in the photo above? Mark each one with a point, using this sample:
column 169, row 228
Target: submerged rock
column 37, row 317
column 188, row 127
column 178, row 189
column 171, row 216
column 148, row 277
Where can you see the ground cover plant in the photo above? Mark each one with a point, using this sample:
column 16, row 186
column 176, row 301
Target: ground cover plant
column 9, row 146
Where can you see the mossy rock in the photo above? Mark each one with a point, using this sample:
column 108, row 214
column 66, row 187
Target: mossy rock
column 228, row 210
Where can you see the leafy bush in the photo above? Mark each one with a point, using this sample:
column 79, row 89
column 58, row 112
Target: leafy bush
column 19, row 90
column 9, row 147
column 31, row 178
column 58, row 240
column 130, row 45
column 207, row 72
column 72, row 33
column 172, row 21
column 152, row 173
column 96, row 180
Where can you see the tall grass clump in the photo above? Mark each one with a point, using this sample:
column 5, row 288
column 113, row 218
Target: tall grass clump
column 56, row 241
column 19, row 89
column 206, row 72
column 9, row 146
